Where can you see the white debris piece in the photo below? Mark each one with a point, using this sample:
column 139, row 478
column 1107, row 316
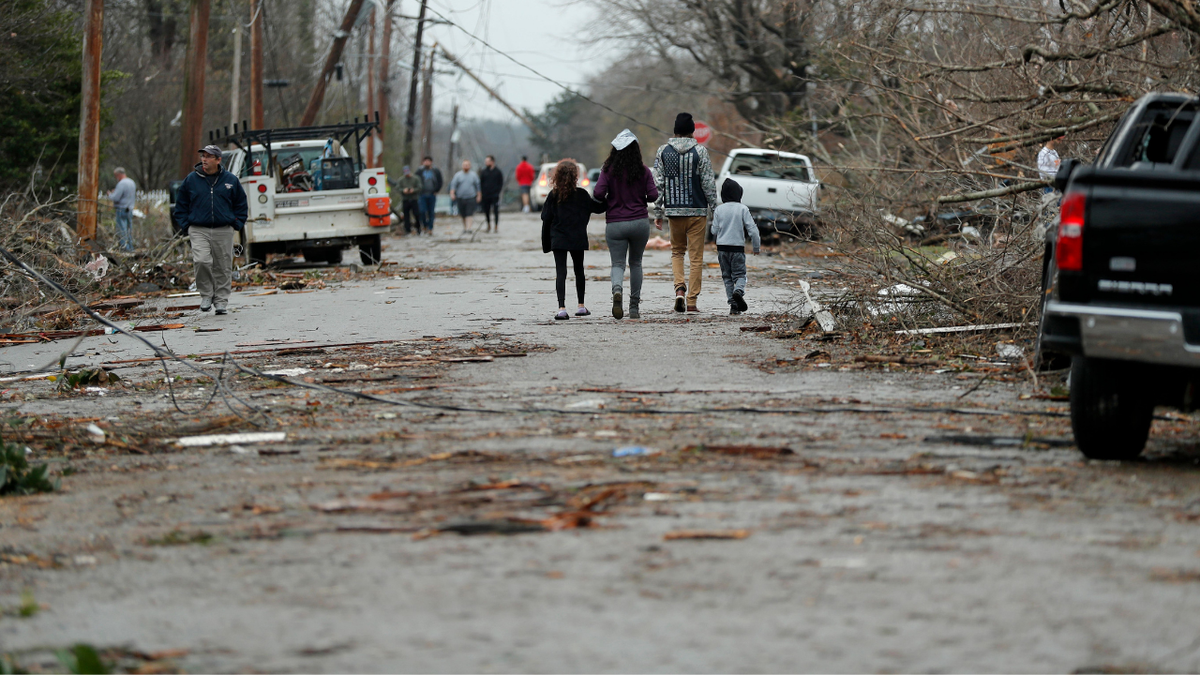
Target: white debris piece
column 98, row 267
column 822, row 315
column 231, row 439
column 972, row 232
column 287, row 372
column 589, row 403
column 946, row 257
column 1009, row 352
column 95, row 434
column 662, row 497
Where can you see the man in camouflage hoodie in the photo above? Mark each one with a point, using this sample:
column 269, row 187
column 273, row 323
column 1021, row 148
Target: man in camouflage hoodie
column 687, row 194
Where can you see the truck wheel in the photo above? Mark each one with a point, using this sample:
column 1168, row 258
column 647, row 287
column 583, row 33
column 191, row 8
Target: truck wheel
column 369, row 250
column 1110, row 412
column 1043, row 357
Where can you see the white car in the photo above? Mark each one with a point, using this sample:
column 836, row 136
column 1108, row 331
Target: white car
column 780, row 188
column 545, row 179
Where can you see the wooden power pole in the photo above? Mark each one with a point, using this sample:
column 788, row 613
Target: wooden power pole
column 89, row 122
column 335, row 55
column 427, row 107
column 492, row 92
column 256, row 64
column 383, row 98
column 193, row 87
column 411, row 119
column 371, row 140
column 453, row 140
column 235, row 81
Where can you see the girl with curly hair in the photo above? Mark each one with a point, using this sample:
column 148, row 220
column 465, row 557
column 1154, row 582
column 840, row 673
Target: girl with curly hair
column 564, row 230
column 625, row 186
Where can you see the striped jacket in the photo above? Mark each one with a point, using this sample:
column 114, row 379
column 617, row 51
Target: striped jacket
column 683, row 174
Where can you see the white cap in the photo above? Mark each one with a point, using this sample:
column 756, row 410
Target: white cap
column 623, row 139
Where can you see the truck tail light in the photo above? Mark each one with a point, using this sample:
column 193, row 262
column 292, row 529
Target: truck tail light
column 372, row 180
column 1068, row 252
column 262, row 187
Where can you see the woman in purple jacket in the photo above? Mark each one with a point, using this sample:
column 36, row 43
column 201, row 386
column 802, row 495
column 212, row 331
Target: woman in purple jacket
column 625, row 187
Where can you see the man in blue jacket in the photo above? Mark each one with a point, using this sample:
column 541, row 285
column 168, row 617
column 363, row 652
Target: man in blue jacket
column 209, row 207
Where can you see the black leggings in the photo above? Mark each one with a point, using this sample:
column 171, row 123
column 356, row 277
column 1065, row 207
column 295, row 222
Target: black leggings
column 560, row 283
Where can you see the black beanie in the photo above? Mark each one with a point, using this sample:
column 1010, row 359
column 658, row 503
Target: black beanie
column 730, row 191
column 684, row 124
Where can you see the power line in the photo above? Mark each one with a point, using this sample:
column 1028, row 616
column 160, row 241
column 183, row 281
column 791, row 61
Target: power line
column 544, row 77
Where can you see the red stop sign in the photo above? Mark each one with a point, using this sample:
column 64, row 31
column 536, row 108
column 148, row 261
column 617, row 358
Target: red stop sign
column 703, row 132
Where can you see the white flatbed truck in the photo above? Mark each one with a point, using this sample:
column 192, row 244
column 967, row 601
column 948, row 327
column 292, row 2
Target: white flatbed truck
column 307, row 195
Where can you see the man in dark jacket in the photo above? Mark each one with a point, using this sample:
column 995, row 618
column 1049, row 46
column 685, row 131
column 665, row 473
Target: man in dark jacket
column 491, row 184
column 431, row 184
column 209, row 207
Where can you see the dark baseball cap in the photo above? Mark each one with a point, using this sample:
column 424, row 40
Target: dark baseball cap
column 214, row 150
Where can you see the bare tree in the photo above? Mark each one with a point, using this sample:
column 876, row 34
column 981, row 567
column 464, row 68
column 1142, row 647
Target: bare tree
column 757, row 51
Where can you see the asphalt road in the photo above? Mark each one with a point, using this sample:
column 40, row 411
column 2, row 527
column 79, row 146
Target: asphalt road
column 891, row 535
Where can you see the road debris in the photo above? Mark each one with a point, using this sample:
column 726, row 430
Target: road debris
column 706, row 534
column 230, row 439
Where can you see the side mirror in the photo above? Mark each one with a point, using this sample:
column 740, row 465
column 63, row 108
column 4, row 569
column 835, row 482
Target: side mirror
column 1065, row 169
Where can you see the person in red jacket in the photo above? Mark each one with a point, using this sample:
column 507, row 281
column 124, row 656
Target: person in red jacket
column 525, row 173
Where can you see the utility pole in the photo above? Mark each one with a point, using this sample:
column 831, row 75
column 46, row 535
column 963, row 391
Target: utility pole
column 427, row 107
column 371, row 91
column 411, row 120
column 256, row 64
column 453, row 138
column 383, row 98
column 193, row 86
column 235, row 83
column 89, row 123
column 524, row 120
column 335, row 55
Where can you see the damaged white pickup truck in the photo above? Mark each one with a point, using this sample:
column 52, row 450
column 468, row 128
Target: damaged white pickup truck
column 307, row 194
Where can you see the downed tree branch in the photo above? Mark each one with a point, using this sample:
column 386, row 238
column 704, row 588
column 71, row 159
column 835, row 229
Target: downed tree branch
column 997, row 192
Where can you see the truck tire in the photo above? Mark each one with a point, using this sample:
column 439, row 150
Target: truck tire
column 370, row 251
column 328, row 254
column 1110, row 412
column 1043, row 357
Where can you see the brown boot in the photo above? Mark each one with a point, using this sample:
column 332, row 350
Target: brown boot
column 680, row 299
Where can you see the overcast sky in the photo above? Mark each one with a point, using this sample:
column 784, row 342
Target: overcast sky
column 541, row 34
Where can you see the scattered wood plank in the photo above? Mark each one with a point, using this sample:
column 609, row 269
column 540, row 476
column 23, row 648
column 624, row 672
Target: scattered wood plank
column 210, row 355
column 706, row 534
column 901, row 360
column 965, row 329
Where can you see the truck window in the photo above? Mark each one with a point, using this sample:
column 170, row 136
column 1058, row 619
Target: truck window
column 770, row 166
column 307, row 155
column 1156, row 138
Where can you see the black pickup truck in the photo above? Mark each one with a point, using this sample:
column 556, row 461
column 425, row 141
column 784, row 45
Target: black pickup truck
column 1121, row 281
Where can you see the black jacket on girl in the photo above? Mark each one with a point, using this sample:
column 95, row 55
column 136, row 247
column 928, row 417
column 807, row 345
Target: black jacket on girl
column 564, row 224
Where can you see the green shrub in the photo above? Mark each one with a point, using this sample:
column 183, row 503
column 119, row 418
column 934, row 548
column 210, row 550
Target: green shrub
column 17, row 477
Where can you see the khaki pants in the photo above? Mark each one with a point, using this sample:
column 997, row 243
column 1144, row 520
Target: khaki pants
column 687, row 236
column 212, row 257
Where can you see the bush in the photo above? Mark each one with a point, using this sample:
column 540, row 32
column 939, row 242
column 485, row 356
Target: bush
column 17, row 477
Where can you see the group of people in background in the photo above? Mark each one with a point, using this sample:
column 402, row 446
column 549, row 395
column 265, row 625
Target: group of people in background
column 469, row 192
column 682, row 188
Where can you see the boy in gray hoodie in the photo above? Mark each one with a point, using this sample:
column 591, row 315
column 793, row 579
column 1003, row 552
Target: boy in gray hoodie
column 730, row 224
